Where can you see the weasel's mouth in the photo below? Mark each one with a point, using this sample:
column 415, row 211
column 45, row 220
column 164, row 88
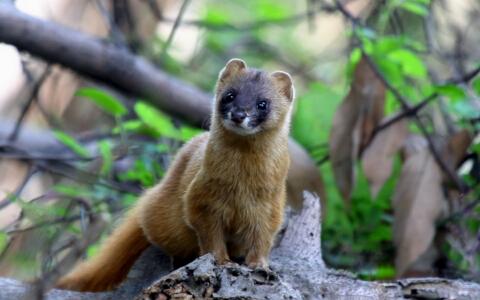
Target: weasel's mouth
column 242, row 128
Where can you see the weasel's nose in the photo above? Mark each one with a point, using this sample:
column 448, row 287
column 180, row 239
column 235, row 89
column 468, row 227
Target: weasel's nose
column 238, row 116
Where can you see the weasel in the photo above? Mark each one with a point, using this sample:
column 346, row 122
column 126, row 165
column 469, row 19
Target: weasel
column 224, row 193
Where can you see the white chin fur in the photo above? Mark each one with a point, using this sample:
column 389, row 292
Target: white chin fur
column 240, row 129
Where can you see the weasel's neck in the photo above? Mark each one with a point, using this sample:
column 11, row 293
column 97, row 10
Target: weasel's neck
column 257, row 143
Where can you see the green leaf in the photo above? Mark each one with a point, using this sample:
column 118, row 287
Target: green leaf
column 130, row 125
column 416, row 8
column 188, row 132
column 270, row 9
column 71, row 143
column 388, row 44
column 156, row 120
column 71, row 191
column 410, row 63
column 104, row 100
column 107, row 157
column 216, row 16
column 476, row 86
column 451, row 91
column 391, row 70
column 355, row 57
column 92, row 250
column 3, row 240
column 314, row 114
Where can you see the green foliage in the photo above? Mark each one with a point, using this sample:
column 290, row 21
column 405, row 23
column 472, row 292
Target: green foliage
column 107, row 157
column 156, row 120
column 415, row 6
column 104, row 100
column 314, row 114
column 3, row 241
column 71, row 143
column 476, row 85
column 161, row 124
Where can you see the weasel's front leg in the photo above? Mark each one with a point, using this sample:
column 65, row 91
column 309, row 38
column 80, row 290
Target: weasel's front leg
column 259, row 241
column 208, row 228
column 259, row 250
column 211, row 240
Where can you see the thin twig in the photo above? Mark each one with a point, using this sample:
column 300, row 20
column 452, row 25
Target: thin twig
column 70, row 171
column 33, row 95
column 405, row 113
column 115, row 33
column 8, row 199
column 46, row 281
column 178, row 20
column 155, row 9
column 465, row 78
column 39, row 225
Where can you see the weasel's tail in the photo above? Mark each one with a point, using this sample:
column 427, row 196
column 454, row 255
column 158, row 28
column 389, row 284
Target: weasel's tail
column 114, row 259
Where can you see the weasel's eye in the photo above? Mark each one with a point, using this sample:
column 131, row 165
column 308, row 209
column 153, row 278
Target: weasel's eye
column 262, row 105
column 229, row 97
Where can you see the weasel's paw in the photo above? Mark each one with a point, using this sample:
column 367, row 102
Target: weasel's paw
column 264, row 274
column 260, row 263
column 223, row 260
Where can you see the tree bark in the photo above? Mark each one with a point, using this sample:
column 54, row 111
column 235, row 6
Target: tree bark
column 298, row 272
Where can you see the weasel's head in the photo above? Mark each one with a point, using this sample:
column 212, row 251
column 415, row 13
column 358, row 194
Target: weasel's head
column 249, row 101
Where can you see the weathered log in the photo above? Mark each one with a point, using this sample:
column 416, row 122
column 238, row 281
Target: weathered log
column 298, row 272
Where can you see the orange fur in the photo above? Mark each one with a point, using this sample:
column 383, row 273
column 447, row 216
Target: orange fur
column 224, row 194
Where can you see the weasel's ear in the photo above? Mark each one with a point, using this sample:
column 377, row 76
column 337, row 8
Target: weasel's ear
column 284, row 83
column 233, row 67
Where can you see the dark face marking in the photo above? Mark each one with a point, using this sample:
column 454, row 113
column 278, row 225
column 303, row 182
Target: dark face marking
column 247, row 99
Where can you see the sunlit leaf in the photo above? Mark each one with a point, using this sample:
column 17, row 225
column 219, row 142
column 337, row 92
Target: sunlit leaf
column 314, row 114
column 130, row 125
column 355, row 57
column 476, row 85
column 93, row 249
column 390, row 69
column 214, row 15
column 3, row 240
column 156, row 120
column 270, row 9
column 107, row 157
column 71, row 191
column 71, row 143
column 451, row 91
column 410, row 63
column 104, row 100
column 416, row 8
column 187, row 132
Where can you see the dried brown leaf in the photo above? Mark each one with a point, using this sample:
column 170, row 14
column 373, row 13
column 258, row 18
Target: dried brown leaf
column 419, row 200
column 353, row 125
column 418, row 203
column 456, row 147
column 413, row 144
column 344, row 147
column 377, row 159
